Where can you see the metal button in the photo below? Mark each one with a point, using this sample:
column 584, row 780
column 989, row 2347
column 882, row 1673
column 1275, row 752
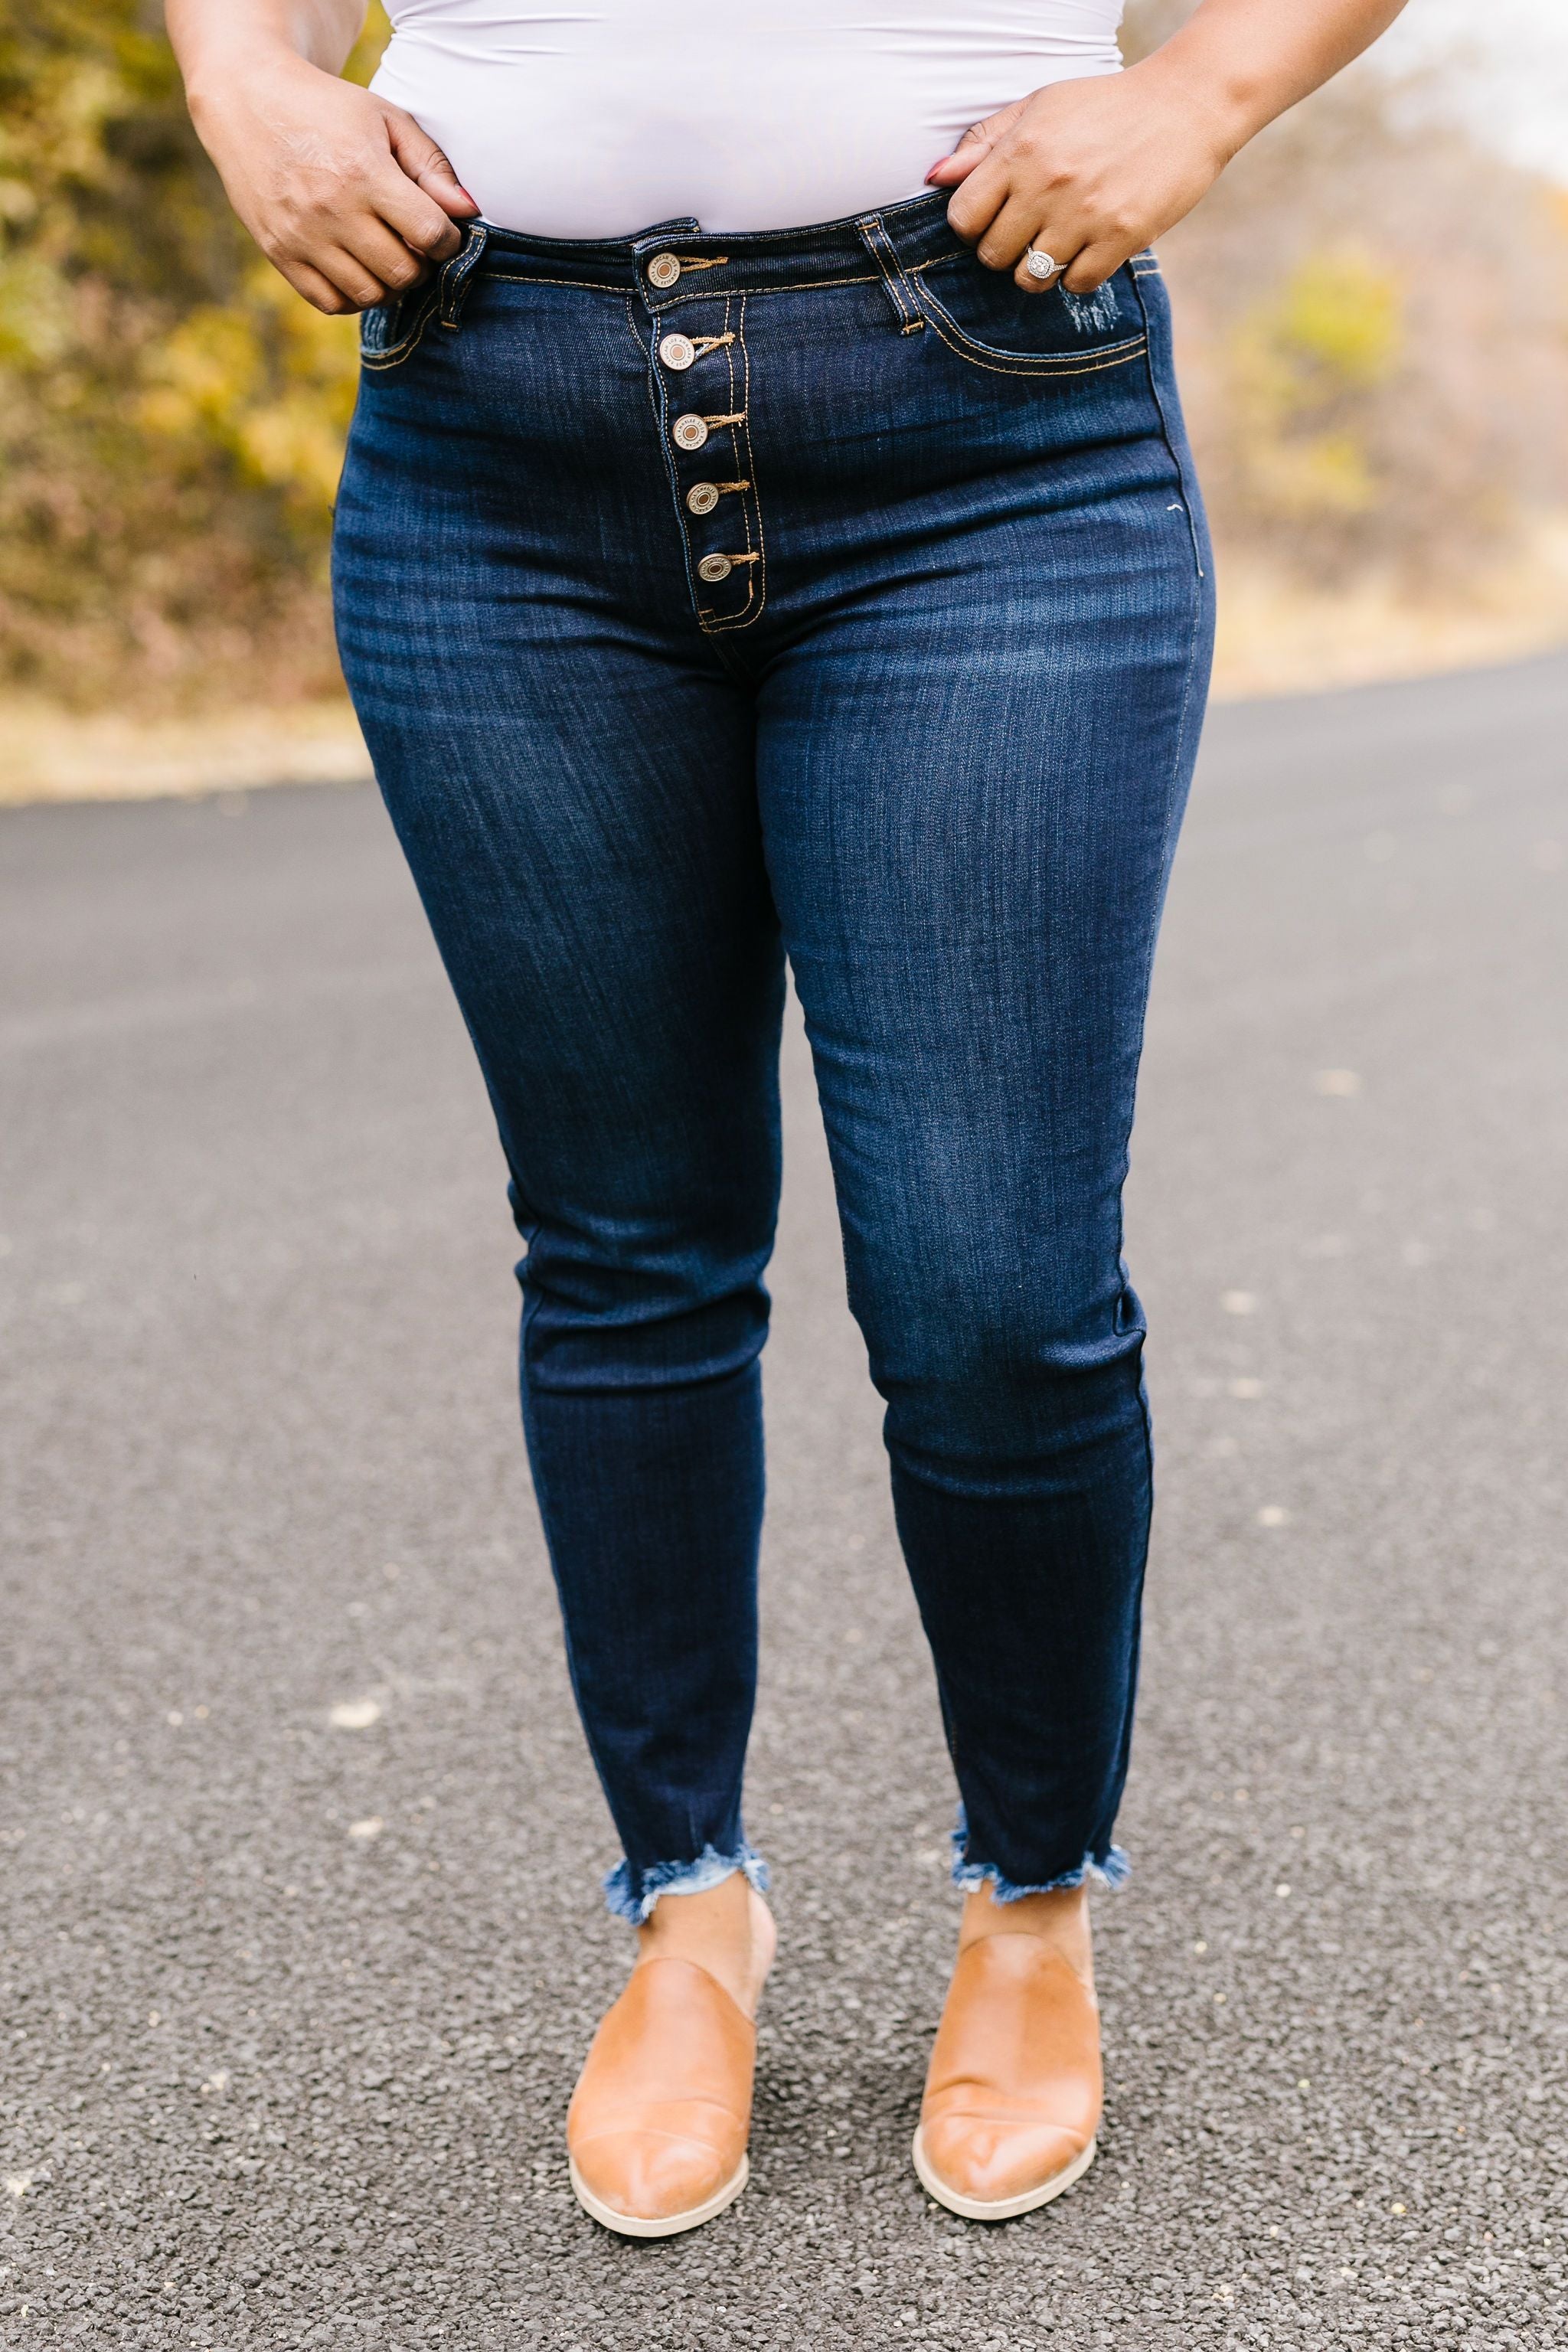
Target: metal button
column 714, row 567
column 688, row 432
column 677, row 351
column 702, row 497
column 663, row 271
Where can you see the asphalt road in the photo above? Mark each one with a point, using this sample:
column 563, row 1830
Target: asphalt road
column 300, row 1942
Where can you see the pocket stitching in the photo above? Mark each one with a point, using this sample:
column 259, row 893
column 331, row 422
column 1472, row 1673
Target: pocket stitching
column 393, row 354
column 999, row 360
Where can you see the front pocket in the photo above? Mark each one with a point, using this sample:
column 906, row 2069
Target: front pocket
column 988, row 319
column 389, row 330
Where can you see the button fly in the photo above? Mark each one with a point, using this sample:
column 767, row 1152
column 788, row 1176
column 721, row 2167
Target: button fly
column 702, row 497
column 678, row 352
column 688, row 432
column 714, row 567
column 663, row 271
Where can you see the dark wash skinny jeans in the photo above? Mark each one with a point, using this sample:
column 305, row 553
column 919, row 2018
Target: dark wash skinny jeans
column 828, row 598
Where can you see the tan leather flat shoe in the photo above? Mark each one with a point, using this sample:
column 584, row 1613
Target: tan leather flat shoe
column 657, row 2131
column 1014, row 2090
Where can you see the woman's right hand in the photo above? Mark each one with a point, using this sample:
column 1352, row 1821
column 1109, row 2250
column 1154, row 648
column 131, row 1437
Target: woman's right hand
column 345, row 194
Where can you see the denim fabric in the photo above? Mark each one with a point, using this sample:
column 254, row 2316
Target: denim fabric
column 927, row 731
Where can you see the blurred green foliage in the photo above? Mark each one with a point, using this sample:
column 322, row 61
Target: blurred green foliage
column 1303, row 364
column 171, row 415
column 1372, row 320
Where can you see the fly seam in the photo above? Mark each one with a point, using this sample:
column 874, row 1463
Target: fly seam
column 649, row 378
column 731, row 355
column 726, row 343
column 745, row 429
column 757, row 595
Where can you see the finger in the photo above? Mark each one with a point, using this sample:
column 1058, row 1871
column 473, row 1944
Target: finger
column 978, row 200
column 377, row 249
column 972, row 148
column 414, row 217
column 421, row 160
column 1091, row 268
column 1009, row 233
column 951, row 169
column 347, row 273
column 318, row 291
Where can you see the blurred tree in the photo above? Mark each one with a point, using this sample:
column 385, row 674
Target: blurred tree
column 1371, row 315
column 1371, row 325
column 1304, row 369
column 171, row 415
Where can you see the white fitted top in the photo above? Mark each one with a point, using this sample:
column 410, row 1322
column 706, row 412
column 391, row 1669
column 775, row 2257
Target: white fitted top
column 597, row 118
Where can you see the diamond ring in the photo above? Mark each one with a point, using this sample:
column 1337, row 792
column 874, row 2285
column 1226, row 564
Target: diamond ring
column 1040, row 265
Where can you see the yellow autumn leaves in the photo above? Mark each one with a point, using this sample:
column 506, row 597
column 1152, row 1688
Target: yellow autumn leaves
column 171, row 417
column 1303, row 364
column 1373, row 335
column 268, row 381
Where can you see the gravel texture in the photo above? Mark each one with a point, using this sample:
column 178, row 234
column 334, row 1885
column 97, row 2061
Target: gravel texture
column 300, row 1936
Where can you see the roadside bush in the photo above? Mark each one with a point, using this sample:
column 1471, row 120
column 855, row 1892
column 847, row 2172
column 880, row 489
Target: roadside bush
column 1372, row 320
column 1373, row 334
column 171, row 415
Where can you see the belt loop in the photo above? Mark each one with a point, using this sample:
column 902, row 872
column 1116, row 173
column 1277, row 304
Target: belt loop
column 453, row 283
column 900, row 293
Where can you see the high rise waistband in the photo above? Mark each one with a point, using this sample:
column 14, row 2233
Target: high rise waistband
column 673, row 261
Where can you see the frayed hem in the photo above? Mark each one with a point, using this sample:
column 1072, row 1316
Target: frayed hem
column 632, row 1899
column 1111, row 1869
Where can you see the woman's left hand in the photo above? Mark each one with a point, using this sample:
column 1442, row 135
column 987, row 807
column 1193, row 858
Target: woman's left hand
column 1086, row 170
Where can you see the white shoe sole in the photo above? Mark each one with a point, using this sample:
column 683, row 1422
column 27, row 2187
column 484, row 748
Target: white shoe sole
column 999, row 2209
column 668, row 2225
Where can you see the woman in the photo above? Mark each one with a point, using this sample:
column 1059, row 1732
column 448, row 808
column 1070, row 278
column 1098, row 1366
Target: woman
column 714, row 589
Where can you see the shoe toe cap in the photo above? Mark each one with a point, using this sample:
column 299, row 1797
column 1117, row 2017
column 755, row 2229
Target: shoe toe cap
column 651, row 2176
column 990, row 2158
